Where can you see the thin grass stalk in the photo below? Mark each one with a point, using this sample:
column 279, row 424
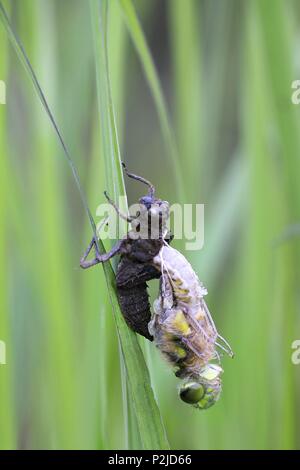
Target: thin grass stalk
column 147, row 413
column 7, row 418
column 144, row 54
column 186, row 53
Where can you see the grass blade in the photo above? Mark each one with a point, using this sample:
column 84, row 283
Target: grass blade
column 186, row 53
column 148, row 417
column 7, row 430
column 142, row 48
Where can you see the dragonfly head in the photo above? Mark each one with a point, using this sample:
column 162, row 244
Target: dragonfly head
column 205, row 391
column 155, row 206
column 154, row 211
column 150, row 209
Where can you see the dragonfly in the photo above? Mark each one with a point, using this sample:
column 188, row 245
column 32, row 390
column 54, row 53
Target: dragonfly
column 181, row 325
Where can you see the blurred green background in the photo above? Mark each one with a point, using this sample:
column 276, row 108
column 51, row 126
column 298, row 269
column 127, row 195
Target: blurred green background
column 226, row 69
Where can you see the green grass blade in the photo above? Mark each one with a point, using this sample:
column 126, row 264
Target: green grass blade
column 7, row 431
column 149, row 422
column 111, row 150
column 142, row 48
column 274, row 30
column 186, row 53
column 148, row 417
column 110, row 147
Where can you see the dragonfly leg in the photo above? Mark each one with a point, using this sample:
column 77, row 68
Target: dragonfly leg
column 99, row 258
column 139, row 178
column 128, row 218
column 83, row 262
column 228, row 348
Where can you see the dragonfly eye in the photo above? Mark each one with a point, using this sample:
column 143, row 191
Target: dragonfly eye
column 201, row 395
column 147, row 201
column 191, row 392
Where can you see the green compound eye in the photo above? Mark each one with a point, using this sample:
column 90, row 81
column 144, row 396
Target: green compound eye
column 192, row 392
column 204, row 393
column 201, row 396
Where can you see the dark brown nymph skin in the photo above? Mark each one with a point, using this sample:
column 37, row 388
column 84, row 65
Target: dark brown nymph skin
column 136, row 255
column 134, row 270
column 132, row 275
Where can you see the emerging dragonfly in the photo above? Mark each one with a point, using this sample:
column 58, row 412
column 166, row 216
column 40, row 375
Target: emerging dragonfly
column 181, row 325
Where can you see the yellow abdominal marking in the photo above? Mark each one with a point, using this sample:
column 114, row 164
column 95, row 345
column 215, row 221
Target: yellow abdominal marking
column 177, row 281
column 179, row 291
column 180, row 352
column 180, row 323
column 186, row 300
